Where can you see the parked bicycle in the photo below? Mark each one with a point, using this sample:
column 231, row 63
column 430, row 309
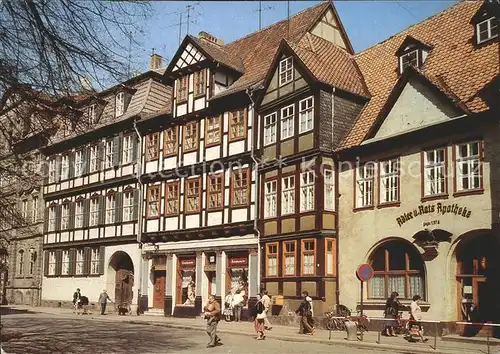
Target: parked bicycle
column 333, row 322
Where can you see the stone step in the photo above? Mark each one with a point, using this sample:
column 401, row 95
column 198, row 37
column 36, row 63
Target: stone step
column 154, row 312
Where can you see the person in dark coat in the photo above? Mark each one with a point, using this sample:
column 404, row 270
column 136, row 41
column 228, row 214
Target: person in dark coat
column 392, row 306
column 304, row 311
column 76, row 299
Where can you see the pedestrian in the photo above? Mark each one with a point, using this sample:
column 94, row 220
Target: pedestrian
column 238, row 304
column 212, row 315
column 103, row 298
column 259, row 315
column 392, row 306
column 415, row 318
column 76, row 300
column 304, row 311
column 310, row 316
column 266, row 300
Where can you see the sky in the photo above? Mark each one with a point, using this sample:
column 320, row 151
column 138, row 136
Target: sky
column 366, row 22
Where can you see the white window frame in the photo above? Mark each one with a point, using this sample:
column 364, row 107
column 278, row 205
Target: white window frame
column 52, row 219
column 128, row 206
column 270, row 199
column 94, row 158
column 92, row 114
column 406, row 55
column 489, row 22
column 365, row 176
column 307, row 191
column 389, row 181
column 65, row 262
column 65, row 216
column 52, row 170
column 289, row 259
column 79, row 214
column 94, row 212
column 94, row 261
column 306, row 114
column 285, row 71
column 24, row 209
column 288, row 195
column 270, row 128
column 109, row 154
column 471, row 162
column 329, row 195
column 287, row 121
column 272, row 267
column 128, row 149
column 110, row 208
column 78, row 163
column 434, row 172
column 52, row 263
column 79, row 261
column 64, row 167
column 119, row 104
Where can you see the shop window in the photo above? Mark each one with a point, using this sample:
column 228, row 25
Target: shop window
column 237, row 275
column 468, row 166
column 398, row 267
column 289, row 257
column 330, row 250
column 272, row 260
column 308, row 257
column 186, row 281
column 434, row 172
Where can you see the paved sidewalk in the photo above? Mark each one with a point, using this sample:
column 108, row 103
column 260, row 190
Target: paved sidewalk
column 285, row 333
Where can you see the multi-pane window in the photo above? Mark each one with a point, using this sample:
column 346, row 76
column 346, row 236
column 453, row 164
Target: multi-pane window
column 170, row 143
column 128, row 206
column 190, row 136
column 237, row 124
column 330, row 256
column 52, row 264
column 182, row 88
column 94, row 158
column 288, row 195
column 152, row 146
column 199, row 83
column 270, row 129
column 409, row 59
column 65, row 262
column 172, row 198
column 307, row 191
column 272, row 260
column 468, row 168
column 215, row 191
column 128, row 149
column 52, row 218
column 80, row 260
column 34, row 210
column 20, row 260
column 329, row 189
column 213, row 130
column 193, row 195
column 306, row 114
column 270, row 198
column 240, row 187
column 153, row 196
column 78, row 163
column 65, row 216
column 487, row 29
column 64, row 167
column 24, row 209
column 289, row 255
column 434, row 172
column 119, row 104
column 110, row 208
column 109, row 154
column 92, row 114
column 52, row 170
column 287, row 121
column 94, row 212
column 79, row 213
column 389, row 181
column 94, row 261
column 285, row 71
column 32, row 261
column 364, row 185
column 308, row 257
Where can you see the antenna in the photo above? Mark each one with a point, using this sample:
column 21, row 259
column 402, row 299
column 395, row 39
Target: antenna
column 260, row 9
column 129, row 60
column 288, row 18
column 180, row 27
column 189, row 7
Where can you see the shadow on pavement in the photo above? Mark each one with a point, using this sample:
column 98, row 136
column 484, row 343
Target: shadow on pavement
column 7, row 310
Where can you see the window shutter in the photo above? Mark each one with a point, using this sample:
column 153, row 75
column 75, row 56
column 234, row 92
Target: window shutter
column 86, row 212
column 86, row 260
column 71, row 215
column 58, row 218
column 101, row 260
column 118, row 207
column 116, row 150
column 71, row 161
column 46, row 220
column 58, row 262
column 134, row 145
column 85, row 160
column 102, row 210
column 72, row 261
column 46, row 261
column 100, row 164
column 58, row 168
column 136, row 204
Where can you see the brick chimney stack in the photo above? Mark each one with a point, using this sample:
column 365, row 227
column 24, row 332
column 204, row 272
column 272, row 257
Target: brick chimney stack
column 155, row 61
column 210, row 38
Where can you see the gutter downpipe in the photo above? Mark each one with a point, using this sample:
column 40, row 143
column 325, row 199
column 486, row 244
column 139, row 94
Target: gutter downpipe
column 337, row 199
column 249, row 93
column 139, row 212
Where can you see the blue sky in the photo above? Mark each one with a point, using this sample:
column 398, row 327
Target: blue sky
column 366, row 22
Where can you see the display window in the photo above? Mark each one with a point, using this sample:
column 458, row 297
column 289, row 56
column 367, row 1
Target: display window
column 186, row 281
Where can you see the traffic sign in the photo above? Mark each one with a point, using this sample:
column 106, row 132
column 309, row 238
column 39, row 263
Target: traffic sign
column 364, row 272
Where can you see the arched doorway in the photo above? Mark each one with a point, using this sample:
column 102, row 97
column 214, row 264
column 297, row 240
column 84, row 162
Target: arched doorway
column 121, row 271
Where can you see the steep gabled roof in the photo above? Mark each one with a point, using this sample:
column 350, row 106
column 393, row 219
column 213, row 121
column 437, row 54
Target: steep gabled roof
column 219, row 54
column 462, row 68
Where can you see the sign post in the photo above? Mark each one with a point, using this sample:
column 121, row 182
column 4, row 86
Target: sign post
column 364, row 273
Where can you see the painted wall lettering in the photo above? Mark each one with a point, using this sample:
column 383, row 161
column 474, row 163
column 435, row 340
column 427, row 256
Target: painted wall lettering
column 438, row 208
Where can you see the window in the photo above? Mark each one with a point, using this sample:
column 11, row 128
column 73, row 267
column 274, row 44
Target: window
column 94, row 212
column 172, row 198
column 272, row 260
column 286, row 71
column 270, row 199
column 128, row 149
column 52, row 218
column 65, row 216
column 190, row 136
column 78, row 163
column 94, row 261
column 92, row 114
column 80, row 261
column 237, row 124
column 20, row 262
column 287, row 114
column 182, row 89
column 270, row 129
column 288, row 195
column 153, row 197
column 307, row 191
column 409, row 59
column 308, row 257
column 397, row 267
column 24, row 209
column 193, row 195
column 109, row 154
column 152, row 146
column 468, row 168
column 32, row 261
column 389, row 181
column 199, row 83
column 65, row 263
column 240, row 187
column 94, row 158
column 487, row 30
column 213, row 130
column 215, row 191
column 52, row 263
column 170, row 143
column 434, row 172
column 329, row 189
column 34, row 211
column 110, row 208
column 330, row 248
column 119, row 104
column 79, row 214
column 64, row 167
column 289, row 255
column 52, row 170
column 128, row 206
column 364, row 185
column 306, row 114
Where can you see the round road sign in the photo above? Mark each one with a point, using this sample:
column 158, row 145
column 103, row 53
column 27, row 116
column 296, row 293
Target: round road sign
column 364, row 272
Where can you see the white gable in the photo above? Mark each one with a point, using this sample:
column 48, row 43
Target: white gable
column 415, row 108
column 328, row 28
column 189, row 56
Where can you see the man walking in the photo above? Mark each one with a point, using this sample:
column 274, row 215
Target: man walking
column 266, row 300
column 76, row 300
column 103, row 298
column 304, row 311
column 212, row 315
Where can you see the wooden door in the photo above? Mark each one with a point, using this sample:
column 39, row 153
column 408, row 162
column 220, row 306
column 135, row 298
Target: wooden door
column 159, row 290
column 480, row 297
column 124, row 282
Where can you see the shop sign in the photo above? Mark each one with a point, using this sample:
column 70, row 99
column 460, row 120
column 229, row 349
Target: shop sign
column 437, row 208
column 210, row 268
column 238, row 262
column 188, row 262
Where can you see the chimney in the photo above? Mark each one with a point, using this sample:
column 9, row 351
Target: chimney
column 210, row 38
column 155, row 61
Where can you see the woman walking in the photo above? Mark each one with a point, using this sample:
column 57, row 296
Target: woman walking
column 392, row 306
column 259, row 315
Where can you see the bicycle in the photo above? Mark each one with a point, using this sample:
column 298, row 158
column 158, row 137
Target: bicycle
column 333, row 323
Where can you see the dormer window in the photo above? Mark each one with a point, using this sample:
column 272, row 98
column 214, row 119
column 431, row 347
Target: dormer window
column 286, row 71
column 486, row 30
column 411, row 52
column 92, row 114
column 119, row 104
column 409, row 59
